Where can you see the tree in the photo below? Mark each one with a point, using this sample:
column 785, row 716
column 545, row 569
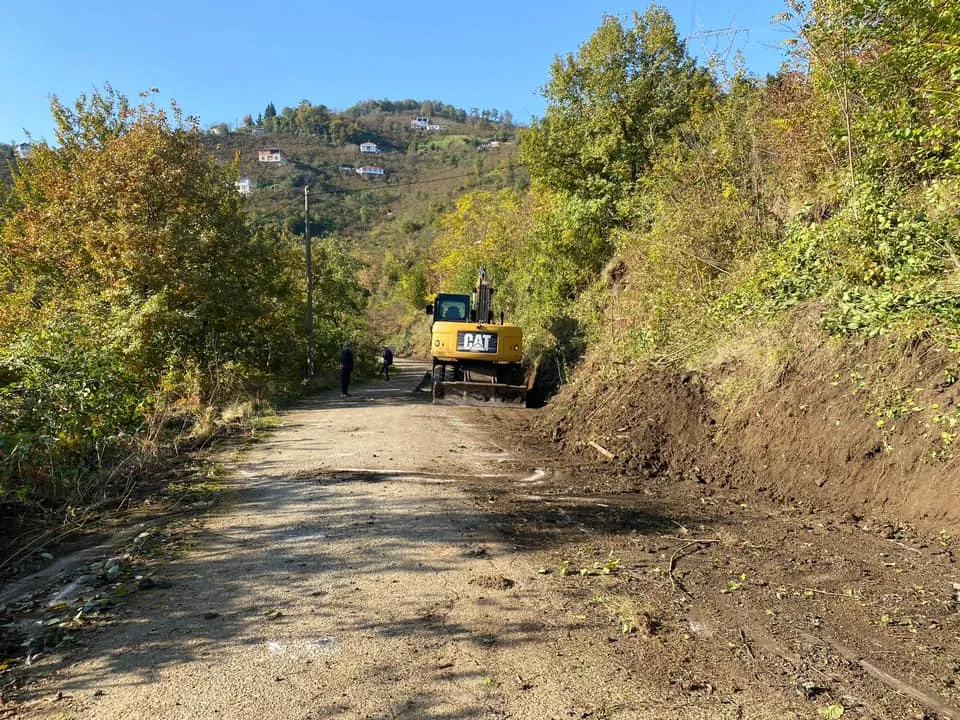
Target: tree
column 129, row 277
column 610, row 106
column 270, row 111
column 890, row 68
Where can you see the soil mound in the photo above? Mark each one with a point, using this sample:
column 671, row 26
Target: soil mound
column 865, row 431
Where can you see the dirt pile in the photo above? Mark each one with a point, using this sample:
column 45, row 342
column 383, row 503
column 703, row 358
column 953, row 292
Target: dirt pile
column 865, row 431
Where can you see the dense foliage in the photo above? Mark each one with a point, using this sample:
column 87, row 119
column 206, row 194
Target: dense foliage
column 671, row 207
column 133, row 289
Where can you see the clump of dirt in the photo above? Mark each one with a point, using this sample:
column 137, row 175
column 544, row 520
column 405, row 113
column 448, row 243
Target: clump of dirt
column 493, row 582
column 866, row 430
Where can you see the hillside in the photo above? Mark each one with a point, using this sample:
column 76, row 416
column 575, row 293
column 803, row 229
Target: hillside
column 388, row 223
column 424, row 172
column 762, row 288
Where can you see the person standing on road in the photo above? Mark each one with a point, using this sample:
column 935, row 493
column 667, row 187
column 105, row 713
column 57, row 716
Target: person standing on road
column 346, row 367
column 387, row 362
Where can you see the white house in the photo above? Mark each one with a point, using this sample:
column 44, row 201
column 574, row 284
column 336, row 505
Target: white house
column 270, row 155
column 22, row 150
column 420, row 123
column 369, row 147
column 245, row 185
column 370, row 171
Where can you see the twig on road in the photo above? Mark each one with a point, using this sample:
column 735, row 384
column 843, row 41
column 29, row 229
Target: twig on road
column 677, row 555
column 746, row 645
column 849, row 596
column 905, row 547
column 929, row 700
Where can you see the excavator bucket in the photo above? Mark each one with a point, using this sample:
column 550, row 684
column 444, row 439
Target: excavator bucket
column 478, row 393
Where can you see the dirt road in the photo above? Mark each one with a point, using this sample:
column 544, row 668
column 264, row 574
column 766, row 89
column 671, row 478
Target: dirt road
column 349, row 578
column 384, row 558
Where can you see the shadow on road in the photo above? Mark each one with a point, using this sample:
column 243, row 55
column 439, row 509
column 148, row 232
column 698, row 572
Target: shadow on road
column 310, row 560
column 400, row 389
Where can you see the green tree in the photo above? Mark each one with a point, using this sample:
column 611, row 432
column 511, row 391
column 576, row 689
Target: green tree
column 890, row 69
column 127, row 266
column 610, row 106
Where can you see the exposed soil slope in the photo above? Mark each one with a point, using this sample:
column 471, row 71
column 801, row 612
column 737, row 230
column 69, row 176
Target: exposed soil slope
column 868, row 431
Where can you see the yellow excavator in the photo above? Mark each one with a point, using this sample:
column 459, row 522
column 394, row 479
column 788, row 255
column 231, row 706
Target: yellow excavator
column 476, row 361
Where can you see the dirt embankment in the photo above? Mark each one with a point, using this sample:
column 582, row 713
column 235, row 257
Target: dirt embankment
column 865, row 432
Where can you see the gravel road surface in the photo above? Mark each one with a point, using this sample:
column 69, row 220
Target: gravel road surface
column 349, row 578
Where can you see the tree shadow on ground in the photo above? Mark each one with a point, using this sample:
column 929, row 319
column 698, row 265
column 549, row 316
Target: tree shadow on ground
column 339, row 537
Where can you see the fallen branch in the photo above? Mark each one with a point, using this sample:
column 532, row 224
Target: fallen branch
column 905, row 547
column 746, row 645
column 928, row 700
column 676, row 556
column 602, row 450
column 822, row 592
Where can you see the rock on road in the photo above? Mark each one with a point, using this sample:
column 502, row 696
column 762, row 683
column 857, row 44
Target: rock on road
column 348, row 578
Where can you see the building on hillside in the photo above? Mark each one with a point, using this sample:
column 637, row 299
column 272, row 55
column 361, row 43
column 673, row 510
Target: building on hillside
column 270, row 155
column 347, row 168
column 436, row 127
column 369, row 147
column 370, row 171
column 245, row 185
column 420, row 123
column 23, row 151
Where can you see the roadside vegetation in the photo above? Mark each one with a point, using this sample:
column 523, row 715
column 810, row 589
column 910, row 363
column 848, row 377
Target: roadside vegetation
column 673, row 204
column 695, row 216
column 147, row 307
column 139, row 302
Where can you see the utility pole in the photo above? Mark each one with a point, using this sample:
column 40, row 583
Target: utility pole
column 309, row 252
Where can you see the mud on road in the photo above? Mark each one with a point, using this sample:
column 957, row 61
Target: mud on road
column 384, row 558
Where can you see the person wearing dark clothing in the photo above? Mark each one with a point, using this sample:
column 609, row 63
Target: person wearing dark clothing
column 387, row 362
column 346, row 367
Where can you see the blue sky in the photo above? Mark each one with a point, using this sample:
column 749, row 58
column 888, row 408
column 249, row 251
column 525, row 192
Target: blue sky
column 223, row 60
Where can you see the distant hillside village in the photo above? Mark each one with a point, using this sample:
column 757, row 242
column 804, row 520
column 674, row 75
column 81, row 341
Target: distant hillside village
column 319, row 120
column 374, row 129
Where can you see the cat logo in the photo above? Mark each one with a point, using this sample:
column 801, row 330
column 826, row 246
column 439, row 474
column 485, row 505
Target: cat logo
column 477, row 342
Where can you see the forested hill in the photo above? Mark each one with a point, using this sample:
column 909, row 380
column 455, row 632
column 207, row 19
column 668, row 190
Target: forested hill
column 431, row 155
column 424, row 168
